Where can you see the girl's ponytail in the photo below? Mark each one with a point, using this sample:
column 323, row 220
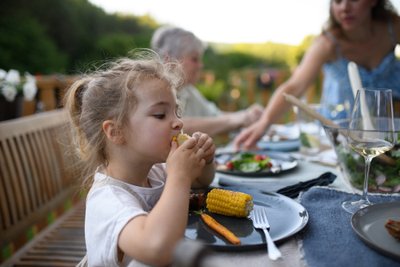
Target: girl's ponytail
column 73, row 104
column 73, row 100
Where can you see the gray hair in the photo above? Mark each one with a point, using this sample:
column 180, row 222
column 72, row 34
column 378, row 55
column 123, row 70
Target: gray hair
column 174, row 43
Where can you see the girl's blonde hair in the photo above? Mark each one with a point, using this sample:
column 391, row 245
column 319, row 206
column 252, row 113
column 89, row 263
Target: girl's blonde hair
column 109, row 93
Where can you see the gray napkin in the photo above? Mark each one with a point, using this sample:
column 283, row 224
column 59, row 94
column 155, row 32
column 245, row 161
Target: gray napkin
column 329, row 239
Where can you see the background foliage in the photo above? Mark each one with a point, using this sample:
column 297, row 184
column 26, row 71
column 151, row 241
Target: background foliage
column 68, row 36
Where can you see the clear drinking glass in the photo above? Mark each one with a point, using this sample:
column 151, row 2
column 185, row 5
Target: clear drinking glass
column 370, row 133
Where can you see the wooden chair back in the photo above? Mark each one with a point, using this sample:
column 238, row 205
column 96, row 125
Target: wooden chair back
column 37, row 173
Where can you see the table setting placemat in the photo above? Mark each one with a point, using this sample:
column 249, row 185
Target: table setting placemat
column 328, row 239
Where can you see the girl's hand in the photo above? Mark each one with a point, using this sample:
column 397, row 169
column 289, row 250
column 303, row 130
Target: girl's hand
column 205, row 143
column 186, row 161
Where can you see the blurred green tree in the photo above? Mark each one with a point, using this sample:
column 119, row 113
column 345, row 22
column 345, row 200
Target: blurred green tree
column 26, row 47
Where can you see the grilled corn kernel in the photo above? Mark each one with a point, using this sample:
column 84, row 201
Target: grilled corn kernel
column 229, row 203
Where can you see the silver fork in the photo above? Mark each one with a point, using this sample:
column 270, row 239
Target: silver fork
column 260, row 221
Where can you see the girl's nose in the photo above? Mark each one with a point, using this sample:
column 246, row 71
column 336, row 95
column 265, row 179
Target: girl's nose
column 177, row 124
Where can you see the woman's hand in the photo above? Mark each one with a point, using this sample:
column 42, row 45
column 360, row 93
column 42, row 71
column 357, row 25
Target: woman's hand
column 248, row 137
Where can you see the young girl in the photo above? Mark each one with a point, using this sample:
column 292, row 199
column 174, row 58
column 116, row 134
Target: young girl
column 125, row 118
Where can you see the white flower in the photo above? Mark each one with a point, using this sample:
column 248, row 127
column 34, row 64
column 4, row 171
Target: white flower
column 9, row 92
column 11, row 84
column 29, row 87
column 12, row 77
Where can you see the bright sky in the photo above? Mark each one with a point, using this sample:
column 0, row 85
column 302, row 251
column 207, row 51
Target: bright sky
column 234, row 21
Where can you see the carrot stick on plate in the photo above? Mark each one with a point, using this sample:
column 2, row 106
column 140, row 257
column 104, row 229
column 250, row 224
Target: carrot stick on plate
column 220, row 229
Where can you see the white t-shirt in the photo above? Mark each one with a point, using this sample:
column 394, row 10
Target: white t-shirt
column 109, row 207
column 194, row 104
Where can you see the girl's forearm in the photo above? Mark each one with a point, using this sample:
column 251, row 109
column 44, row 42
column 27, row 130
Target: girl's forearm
column 167, row 221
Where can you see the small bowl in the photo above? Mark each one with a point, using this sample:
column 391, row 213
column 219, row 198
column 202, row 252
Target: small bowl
column 383, row 178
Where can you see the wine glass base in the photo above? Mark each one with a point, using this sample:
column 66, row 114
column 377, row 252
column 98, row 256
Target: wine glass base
column 353, row 206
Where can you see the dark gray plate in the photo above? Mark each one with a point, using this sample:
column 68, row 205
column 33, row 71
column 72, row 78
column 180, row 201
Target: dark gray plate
column 369, row 224
column 286, row 217
column 281, row 162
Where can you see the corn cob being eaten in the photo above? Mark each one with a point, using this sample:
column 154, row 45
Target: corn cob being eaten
column 229, row 203
column 181, row 138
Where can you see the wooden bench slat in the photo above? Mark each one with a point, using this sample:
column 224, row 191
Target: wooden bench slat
column 77, row 253
column 32, row 172
column 49, row 178
column 51, row 258
column 41, row 163
column 44, row 264
column 52, row 154
column 10, row 185
column 63, row 247
column 62, row 244
column 21, row 189
column 28, row 187
column 4, row 187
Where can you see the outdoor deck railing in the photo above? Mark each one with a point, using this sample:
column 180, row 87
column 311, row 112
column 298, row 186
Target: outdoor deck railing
column 52, row 88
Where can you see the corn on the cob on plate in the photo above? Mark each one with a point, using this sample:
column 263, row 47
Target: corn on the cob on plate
column 229, row 203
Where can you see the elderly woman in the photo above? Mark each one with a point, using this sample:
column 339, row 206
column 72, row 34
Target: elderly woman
column 199, row 114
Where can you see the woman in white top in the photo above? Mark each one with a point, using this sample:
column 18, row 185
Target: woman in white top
column 199, row 114
column 124, row 118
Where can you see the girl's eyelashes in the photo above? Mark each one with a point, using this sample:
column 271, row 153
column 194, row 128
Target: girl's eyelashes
column 163, row 114
column 159, row 116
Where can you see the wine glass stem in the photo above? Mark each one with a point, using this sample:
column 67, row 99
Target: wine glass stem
column 368, row 160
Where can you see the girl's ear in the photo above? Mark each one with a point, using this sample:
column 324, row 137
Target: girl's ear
column 113, row 132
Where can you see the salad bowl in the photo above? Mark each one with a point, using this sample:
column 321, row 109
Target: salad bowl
column 384, row 176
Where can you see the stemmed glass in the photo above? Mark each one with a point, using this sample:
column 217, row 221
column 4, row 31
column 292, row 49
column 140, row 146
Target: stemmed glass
column 370, row 133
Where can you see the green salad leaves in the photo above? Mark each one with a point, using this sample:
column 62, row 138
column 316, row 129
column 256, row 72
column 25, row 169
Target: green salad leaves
column 249, row 162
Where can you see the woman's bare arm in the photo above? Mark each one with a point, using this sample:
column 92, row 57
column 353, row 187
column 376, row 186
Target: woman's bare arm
column 321, row 51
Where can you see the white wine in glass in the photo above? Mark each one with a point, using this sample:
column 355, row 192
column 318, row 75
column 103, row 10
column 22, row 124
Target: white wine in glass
column 370, row 133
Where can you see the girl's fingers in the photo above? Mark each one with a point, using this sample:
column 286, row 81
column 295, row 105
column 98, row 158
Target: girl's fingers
column 208, row 144
column 196, row 135
column 205, row 141
column 174, row 146
column 200, row 152
column 190, row 143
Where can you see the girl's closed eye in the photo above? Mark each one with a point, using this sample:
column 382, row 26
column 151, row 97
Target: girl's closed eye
column 159, row 116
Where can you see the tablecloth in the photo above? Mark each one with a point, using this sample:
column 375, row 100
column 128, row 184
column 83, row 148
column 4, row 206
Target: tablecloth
column 328, row 239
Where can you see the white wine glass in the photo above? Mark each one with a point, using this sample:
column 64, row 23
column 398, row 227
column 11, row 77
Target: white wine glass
column 370, row 133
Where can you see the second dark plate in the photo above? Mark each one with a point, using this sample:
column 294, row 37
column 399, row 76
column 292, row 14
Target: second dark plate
column 281, row 162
